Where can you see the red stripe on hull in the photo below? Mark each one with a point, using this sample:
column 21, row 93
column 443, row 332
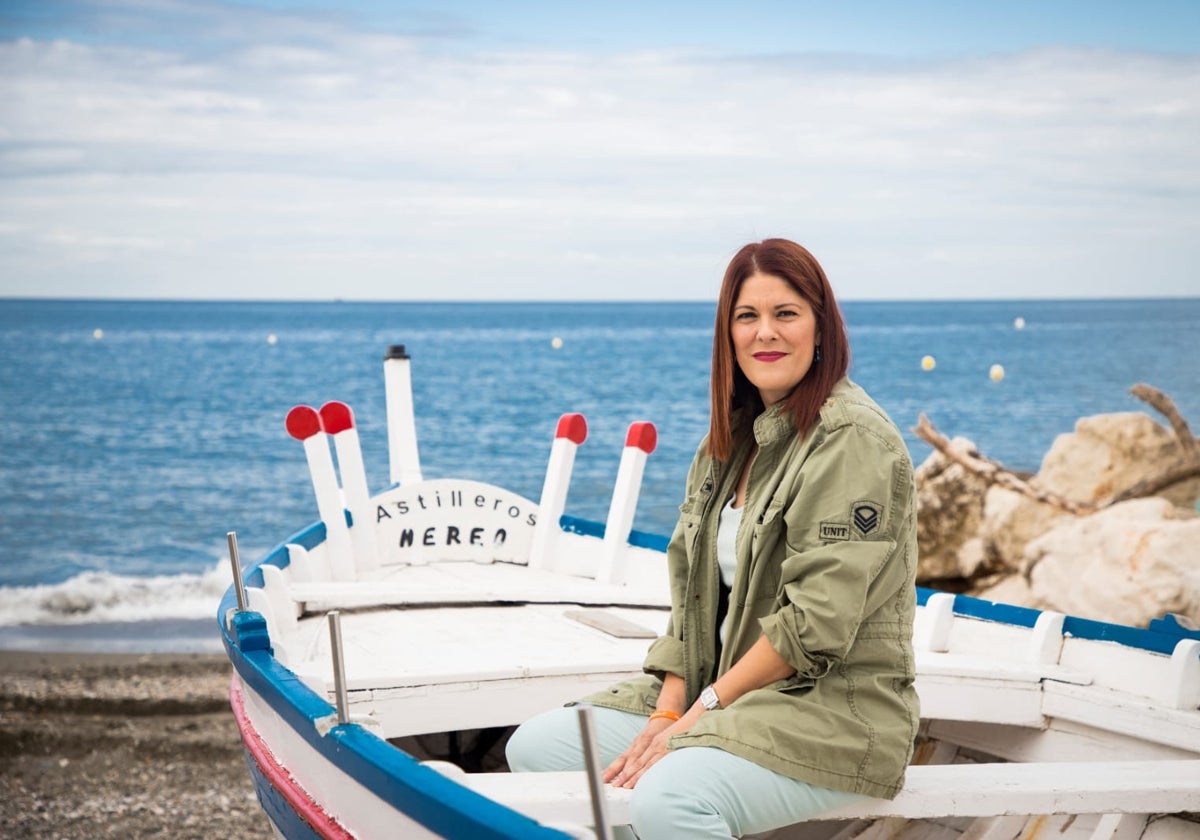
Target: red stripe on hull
column 280, row 779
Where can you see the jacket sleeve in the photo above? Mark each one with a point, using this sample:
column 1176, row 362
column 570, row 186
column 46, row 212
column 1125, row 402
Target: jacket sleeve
column 847, row 548
column 666, row 653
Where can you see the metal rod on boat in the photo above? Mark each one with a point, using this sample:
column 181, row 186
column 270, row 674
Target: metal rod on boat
column 239, row 585
column 591, row 760
column 339, row 667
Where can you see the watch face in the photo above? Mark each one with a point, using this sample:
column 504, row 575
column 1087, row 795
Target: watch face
column 708, row 698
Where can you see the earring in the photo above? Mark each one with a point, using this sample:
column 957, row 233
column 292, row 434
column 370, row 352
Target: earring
column 817, row 354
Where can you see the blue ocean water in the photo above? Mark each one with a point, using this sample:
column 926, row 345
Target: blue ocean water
column 129, row 452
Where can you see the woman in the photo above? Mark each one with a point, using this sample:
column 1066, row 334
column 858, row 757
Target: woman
column 783, row 685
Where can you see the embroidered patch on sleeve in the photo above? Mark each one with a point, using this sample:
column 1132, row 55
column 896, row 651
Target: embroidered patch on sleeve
column 866, row 517
column 834, row 531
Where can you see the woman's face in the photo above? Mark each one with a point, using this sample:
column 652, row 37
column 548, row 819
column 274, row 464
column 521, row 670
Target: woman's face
column 774, row 334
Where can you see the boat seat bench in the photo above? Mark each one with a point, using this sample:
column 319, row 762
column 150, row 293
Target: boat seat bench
column 930, row 791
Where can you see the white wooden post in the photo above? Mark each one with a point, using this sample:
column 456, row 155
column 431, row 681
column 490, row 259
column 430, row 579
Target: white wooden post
column 640, row 441
column 1182, row 689
column 304, row 424
column 932, row 633
column 338, row 421
column 403, row 459
column 570, row 433
column 1045, row 645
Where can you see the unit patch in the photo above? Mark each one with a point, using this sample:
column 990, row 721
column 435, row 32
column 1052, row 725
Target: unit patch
column 866, row 517
column 835, row 531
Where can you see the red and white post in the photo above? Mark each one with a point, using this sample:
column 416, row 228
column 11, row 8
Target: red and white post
column 338, row 421
column 304, row 424
column 571, row 432
column 639, row 443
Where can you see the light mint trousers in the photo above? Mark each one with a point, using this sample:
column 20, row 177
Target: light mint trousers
column 693, row 792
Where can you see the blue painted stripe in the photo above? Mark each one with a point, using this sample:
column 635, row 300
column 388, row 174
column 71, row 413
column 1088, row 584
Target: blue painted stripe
column 585, row 527
column 591, row 528
column 1159, row 637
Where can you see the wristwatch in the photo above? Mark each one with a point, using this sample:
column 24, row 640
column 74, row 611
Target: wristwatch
column 709, row 699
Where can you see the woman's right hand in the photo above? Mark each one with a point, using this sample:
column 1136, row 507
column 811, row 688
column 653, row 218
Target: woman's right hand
column 638, row 748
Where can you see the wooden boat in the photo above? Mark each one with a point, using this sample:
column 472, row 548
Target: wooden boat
column 382, row 655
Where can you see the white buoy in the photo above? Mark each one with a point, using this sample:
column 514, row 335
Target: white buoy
column 996, row 373
column 1019, row 323
column 271, row 339
column 556, row 343
column 928, row 363
column 97, row 333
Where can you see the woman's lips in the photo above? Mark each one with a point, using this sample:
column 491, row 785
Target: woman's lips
column 769, row 357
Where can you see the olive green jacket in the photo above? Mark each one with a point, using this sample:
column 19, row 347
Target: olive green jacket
column 826, row 562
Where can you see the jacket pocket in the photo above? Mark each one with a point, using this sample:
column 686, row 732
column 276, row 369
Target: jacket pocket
column 767, row 547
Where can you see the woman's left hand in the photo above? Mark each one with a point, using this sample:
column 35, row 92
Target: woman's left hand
column 655, row 749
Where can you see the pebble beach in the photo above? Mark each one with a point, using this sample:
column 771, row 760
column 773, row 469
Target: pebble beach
column 122, row 745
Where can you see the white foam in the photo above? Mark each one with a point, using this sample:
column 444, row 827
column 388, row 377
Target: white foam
column 101, row 597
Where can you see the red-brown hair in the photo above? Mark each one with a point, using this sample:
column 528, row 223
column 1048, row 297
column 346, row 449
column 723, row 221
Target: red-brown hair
column 730, row 389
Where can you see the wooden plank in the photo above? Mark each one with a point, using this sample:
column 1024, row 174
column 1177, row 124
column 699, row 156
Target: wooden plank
column 931, row 791
column 612, row 624
column 1116, row 711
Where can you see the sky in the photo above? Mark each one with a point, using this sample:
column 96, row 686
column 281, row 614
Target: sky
column 319, row 150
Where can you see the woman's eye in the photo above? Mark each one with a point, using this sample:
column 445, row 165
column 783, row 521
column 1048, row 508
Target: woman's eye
column 744, row 316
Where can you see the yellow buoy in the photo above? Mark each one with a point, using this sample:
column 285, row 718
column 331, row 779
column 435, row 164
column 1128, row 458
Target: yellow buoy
column 928, row 363
column 996, row 373
column 97, row 333
column 556, row 343
column 1019, row 323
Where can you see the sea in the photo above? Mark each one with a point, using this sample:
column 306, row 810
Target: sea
column 136, row 434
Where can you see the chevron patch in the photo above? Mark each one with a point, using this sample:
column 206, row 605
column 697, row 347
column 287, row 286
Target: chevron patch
column 865, row 517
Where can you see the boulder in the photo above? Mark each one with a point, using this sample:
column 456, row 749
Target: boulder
column 949, row 511
column 1105, row 454
column 1108, row 453
column 1128, row 563
column 1010, row 520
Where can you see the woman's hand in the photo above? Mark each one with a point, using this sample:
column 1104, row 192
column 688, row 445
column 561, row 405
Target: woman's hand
column 647, row 748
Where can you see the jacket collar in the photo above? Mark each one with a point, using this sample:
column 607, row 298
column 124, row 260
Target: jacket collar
column 772, row 425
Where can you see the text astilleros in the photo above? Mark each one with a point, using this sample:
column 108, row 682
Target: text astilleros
column 453, row 534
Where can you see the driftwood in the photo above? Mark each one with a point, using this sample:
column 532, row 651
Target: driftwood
column 1167, row 408
column 995, row 473
column 992, row 472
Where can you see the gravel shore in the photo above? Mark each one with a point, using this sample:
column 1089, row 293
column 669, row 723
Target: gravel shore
column 126, row 745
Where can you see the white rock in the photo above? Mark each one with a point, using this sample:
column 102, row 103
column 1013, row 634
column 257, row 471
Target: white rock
column 1108, row 453
column 1128, row 564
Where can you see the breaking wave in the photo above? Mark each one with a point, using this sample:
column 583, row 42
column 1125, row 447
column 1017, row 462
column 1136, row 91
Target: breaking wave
column 102, row 597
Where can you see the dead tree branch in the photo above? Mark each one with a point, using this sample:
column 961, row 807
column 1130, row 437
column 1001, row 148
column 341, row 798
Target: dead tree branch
column 994, row 473
column 1167, row 408
column 1161, row 480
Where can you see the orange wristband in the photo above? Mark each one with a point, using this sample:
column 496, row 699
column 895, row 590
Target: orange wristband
column 665, row 713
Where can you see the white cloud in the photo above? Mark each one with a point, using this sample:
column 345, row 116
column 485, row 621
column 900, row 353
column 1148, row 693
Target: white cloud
column 300, row 158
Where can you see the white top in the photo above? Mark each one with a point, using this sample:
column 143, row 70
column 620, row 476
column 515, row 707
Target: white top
column 731, row 520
